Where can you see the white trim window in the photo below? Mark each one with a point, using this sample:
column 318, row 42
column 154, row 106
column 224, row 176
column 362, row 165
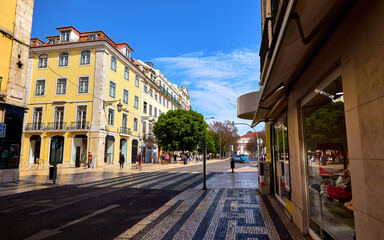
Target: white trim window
column 85, row 57
column 159, row 112
column 125, row 96
column 83, row 84
column 63, row 59
column 40, row 87
column 43, row 61
column 65, row 36
column 150, row 92
column 155, row 112
column 61, row 86
column 136, row 103
column 156, row 97
column 127, row 53
column 135, row 124
column 92, row 37
column 112, row 89
column 113, row 63
column 159, row 98
column 150, row 110
column 137, row 80
column 111, row 116
column 145, row 89
column 126, row 73
column 145, row 107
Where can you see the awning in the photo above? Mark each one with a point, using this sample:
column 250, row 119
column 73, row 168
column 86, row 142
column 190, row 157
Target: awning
column 110, row 138
column 247, row 105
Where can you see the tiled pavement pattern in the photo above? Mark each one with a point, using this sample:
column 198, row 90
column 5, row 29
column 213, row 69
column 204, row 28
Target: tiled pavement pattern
column 216, row 214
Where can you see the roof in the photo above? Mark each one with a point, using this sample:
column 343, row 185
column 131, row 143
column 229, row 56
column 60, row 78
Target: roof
column 249, row 135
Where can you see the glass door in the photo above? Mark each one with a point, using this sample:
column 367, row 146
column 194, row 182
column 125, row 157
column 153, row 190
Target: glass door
column 37, row 118
column 59, row 118
column 81, row 117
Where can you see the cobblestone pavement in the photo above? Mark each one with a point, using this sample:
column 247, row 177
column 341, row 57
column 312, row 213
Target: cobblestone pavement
column 218, row 213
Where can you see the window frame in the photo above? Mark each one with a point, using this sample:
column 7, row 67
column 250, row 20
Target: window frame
column 60, row 57
column 135, row 124
column 46, row 62
column 109, row 92
column 36, row 84
column 57, row 86
column 125, row 90
column 78, row 84
column 81, row 57
column 136, row 100
column 126, row 73
column 113, row 117
column 114, row 63
column 63, row 33
column 137, row 81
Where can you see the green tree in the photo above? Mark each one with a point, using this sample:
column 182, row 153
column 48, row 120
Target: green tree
column 180, row 130
column 326, row 125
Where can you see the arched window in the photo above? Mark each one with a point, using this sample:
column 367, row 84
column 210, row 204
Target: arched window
column 63, row 59
column 43, row 61
column 85, row 57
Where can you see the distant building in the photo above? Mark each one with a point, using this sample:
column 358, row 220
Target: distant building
column 15, row 32
column 242, row 143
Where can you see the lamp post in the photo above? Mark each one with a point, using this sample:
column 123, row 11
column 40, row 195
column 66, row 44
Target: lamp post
column 257, row 137
column 204, row 143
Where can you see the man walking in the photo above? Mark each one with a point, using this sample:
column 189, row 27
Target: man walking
column 121, row 161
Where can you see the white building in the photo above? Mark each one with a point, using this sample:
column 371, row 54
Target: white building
column 242, row 147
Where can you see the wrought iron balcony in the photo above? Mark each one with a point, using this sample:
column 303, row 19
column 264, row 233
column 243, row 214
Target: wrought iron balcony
column 56, row 126
column 169, row 95
column 149, row 137
column 80, row 125
column 34, row 127
column 125, row 130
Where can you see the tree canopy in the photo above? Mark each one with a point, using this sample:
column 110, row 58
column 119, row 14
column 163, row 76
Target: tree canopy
column 180, row 130
column 227, row 132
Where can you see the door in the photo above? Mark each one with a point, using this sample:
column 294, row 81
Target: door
column 56, row 150
column 134, row 151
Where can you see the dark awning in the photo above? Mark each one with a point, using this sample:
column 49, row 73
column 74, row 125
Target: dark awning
column 110, row 138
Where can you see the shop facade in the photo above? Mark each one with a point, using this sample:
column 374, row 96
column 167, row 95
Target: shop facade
column 322, row 104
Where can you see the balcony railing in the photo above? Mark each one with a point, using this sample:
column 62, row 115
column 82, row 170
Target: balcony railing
column 56, row 126
column 34, row 126
column 82, row 125
column 149, row 136
column 264, row 48
column 169, row 95
column 124, row 130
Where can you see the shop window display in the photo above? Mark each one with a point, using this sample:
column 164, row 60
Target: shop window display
column 281, row 159
column 329, row 178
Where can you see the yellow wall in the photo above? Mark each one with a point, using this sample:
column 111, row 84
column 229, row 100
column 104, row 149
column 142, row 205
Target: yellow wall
column 7, row 22
column 121, row 83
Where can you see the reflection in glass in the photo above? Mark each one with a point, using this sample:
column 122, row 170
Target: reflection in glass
column 329, row 181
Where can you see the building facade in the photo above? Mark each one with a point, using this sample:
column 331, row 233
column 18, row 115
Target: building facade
column 242, row 143
column 84, row 97
column 15, row 32
column 322, row 103
column 159, row 96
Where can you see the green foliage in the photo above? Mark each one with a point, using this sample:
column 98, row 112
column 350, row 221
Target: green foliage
column 326, row 125
column 180, row 130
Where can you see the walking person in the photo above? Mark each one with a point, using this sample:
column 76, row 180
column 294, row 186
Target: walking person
column 166, row 157
column 89, row 160
column 121, row 161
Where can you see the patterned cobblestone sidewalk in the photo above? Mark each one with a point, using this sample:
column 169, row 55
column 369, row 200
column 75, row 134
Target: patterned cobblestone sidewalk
column 216, row 214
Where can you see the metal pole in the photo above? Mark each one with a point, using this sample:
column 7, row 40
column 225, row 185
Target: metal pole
column 257, row 142
column 204, row 164
column 220, row 146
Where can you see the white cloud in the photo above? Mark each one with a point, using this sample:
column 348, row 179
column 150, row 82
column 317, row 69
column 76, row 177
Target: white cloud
column 214, row 81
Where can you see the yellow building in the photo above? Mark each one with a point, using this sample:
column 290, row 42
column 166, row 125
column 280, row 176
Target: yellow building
column 84, row 97
column 15, row 31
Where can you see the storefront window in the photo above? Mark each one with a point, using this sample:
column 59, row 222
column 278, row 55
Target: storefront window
column 281, row 159
column 329, row 180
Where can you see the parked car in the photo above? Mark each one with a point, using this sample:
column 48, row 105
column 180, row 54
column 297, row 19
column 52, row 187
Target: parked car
column 242, row 158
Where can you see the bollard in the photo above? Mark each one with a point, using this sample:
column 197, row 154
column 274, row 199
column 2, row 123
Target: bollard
column 233, row 164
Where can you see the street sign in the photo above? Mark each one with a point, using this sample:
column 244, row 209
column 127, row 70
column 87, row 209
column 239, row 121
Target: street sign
column 3, row 127
column 260, row 141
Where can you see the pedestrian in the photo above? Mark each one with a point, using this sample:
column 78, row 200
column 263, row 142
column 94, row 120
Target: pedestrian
column 166, row 157
column 122, row 160
column 89, row 160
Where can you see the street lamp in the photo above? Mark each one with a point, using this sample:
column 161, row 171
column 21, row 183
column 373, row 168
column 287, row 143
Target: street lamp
column 257, row 137
column 119, row 105
column 204, row 143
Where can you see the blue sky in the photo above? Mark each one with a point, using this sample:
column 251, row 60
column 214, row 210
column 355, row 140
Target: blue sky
column 210, row 46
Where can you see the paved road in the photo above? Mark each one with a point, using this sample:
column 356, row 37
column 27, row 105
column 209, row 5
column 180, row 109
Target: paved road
column 97, row 210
